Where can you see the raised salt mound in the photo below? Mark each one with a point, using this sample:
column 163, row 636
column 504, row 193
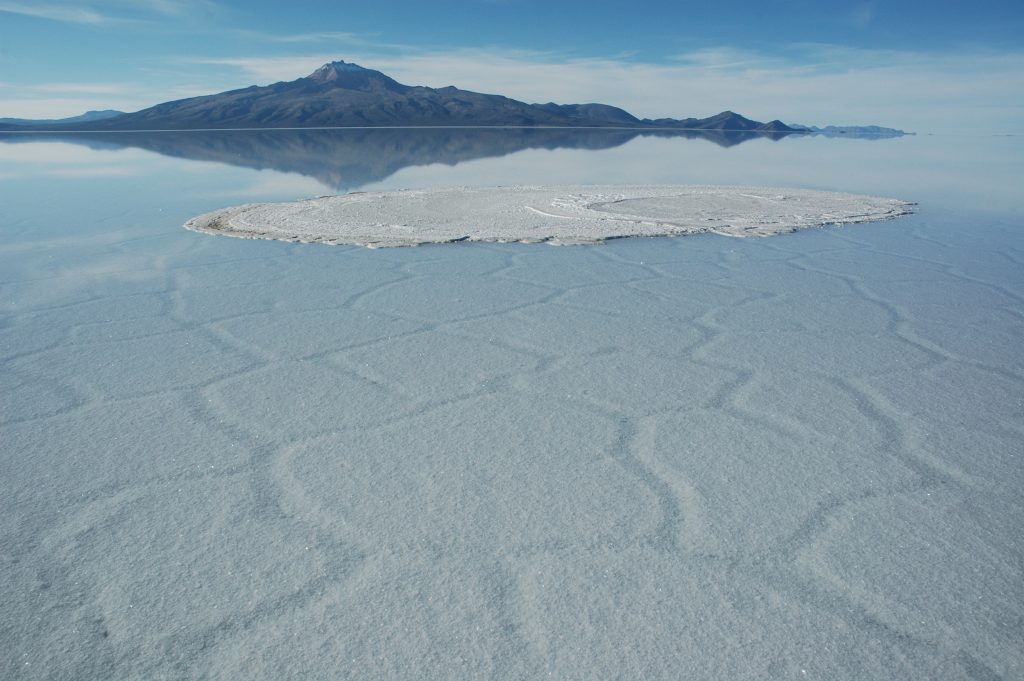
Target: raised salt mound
column 551, row 214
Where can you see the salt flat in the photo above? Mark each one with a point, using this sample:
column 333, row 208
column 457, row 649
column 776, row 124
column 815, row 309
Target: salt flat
column 705, row 457
column 550, row 214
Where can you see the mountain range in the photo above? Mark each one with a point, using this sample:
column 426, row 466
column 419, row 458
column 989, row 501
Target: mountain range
column 341, row 94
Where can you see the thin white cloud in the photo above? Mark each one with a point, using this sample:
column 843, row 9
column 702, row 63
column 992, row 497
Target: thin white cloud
column 322, row 36
column 265, row 70
column 724, row 57
column 29, row 103
column 50, row 107
column 83, row 88
column 74, row 14
column 346, row 38
column 164, row 8
column 170, row 7
column 111, row 12
column 862, row 15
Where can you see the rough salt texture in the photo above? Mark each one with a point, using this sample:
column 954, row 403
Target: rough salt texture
column 662, row 459
column 552, row 214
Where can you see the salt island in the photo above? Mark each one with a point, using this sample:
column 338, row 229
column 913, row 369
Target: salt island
column 563, row 214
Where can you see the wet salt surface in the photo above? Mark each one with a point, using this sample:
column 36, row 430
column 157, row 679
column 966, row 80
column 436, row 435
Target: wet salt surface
column 707, row 457
column 549, row 214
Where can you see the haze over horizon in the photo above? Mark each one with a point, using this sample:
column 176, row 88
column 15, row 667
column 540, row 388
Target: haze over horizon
column 928, row 68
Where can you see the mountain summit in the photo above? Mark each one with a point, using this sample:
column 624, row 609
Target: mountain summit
column 354, row 77
column 341, row 94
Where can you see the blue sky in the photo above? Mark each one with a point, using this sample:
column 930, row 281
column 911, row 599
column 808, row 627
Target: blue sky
column 926, row 66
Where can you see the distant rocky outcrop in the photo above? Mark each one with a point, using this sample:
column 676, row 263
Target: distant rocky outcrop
column 868, row 131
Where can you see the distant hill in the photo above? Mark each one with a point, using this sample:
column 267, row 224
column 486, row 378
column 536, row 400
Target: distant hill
column 592, row 113
column 340, row 94
column 83, row 118
column 871, row 131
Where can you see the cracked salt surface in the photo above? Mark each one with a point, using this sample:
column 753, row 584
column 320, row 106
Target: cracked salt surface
column 563, row 214
column 665, row 458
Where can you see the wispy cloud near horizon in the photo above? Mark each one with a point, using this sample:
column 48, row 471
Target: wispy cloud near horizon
column 62, row 100
column 807, row 83
column 84, row 88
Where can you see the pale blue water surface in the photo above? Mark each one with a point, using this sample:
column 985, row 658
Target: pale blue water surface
column 703, row 457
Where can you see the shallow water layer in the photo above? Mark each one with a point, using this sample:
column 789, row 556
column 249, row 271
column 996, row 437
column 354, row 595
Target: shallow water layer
column 655, row 458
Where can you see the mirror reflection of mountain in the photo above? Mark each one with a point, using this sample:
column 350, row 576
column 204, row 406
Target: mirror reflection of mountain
column 345, row 159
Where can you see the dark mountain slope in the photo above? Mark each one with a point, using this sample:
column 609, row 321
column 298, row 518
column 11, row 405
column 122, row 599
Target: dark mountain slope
column 336, row 95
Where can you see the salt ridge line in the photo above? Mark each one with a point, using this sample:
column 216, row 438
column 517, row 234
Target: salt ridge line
column 559, row 214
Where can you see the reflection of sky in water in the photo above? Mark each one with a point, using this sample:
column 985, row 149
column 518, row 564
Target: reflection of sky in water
column 811, row 440
column 308, row 163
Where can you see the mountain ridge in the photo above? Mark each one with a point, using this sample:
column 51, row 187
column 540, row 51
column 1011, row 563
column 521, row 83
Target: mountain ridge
column 81, row 118
column 341, row 94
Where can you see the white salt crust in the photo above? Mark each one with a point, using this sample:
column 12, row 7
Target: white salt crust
column 562, row 214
